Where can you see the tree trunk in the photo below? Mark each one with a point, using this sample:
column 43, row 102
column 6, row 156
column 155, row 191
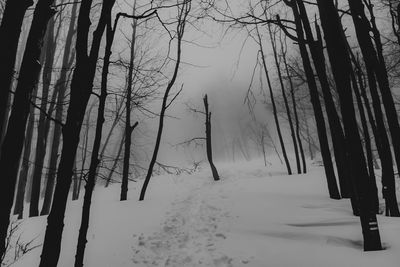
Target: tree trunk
column 61, row 87
column 10, row 30
column 338, row 138
column 81, row 88
column 374, row 189
column 14, row 138
column 382, row 142
column 375, row 65
column 278, row 68
column 296, row 117
column 23, row 173
column 128, row 127
column 94, row 161
column 274, row 111
column 318, row 114
column 208, row 140
column 180, row 29
column 341, row 68
column 41, row 139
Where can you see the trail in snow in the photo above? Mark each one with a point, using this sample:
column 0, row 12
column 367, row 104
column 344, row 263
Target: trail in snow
column 191, row 233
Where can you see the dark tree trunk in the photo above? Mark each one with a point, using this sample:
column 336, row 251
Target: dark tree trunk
column 41, row 140
column 319, row 117
column 10, row 30
column 23, row 173
column 376, row 69
column 14, row 138
column 278, row 68
column 337, row 135
column 75, row 179
column 81, row 88
column 381, row 140
column 208, row 140
column 296, row 116
column 94, row 161
column 128, row 127
column 274, row 110
column 61, row 87
column 367, row 140
column 341, row 68
column 180, row 29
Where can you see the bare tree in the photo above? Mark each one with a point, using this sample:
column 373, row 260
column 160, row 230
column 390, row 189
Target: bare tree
column 183, row 12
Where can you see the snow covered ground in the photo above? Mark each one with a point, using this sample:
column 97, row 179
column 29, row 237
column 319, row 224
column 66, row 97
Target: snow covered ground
column 255, row 216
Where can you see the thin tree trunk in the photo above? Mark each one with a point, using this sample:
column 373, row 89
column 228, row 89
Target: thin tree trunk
column 296, row 117
column 274, row 111
column 181, row 23
column 14, row 139
column 128, row 127
column 278, row 68
column 208, row 140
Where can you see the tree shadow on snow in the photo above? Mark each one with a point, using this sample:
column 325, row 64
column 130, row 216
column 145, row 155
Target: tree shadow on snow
column 330, row 240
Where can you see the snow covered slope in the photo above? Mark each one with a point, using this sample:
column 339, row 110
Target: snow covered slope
column 255, row 216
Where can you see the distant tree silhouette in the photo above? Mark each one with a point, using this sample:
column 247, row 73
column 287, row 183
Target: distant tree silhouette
column 207, row 114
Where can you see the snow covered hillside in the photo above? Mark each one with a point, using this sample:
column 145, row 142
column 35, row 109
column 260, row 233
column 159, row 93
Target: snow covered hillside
column 255, row 216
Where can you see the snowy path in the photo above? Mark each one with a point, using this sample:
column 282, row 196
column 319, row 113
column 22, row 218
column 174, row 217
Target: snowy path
column 190, row 234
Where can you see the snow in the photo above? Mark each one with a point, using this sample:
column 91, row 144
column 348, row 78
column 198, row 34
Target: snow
column 255, row 216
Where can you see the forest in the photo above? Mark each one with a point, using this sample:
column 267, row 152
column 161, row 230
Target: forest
column 199, row 133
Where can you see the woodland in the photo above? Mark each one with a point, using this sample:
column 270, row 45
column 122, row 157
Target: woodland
column 91, row 90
